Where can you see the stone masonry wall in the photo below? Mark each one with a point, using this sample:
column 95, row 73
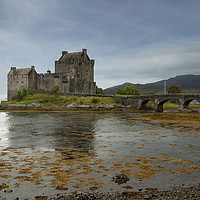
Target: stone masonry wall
column 16, row 83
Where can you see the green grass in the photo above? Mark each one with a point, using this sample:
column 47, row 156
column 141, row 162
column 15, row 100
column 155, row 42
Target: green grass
column 55, row 99
column 123, row 95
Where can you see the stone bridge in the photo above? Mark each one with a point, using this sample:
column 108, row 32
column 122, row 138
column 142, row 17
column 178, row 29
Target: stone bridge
column 140, row 101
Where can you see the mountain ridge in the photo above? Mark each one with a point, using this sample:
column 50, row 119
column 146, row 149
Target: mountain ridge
column 186, row 82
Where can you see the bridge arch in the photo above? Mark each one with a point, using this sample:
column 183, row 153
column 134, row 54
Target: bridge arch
column 143, row 104
column 159, row 105
column 186, row 103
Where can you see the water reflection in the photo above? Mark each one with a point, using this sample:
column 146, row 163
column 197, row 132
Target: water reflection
column 47, row 131
column 4, row 129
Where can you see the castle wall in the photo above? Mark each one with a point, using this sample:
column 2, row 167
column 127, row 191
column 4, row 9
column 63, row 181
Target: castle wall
column 78, row 86
column 32, row 79
column 45, row 82
column 16, row 83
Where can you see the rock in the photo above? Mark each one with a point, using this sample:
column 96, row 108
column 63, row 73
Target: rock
column 129, row 106
column 102, row 106
column 16, row 106
column 35, row 105
column 72, row 105
column 188, row 111
column 41, row 197
column 110, row 106
column 61, row 187
column 78, row 192
column 63, row 107
column 86, row 106
column 146, row 197
column 120, row 179
column 114, row 106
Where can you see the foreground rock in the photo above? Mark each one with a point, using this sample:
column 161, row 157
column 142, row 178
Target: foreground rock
column 188, row 111
column 120, row 179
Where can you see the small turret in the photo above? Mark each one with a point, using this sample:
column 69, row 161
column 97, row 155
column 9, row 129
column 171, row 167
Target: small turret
column 64, row 52
column 13, row 69
column 48, row 72
column 84, row 51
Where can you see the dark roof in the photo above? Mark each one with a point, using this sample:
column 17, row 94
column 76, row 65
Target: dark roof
column 20, row 71
column 68, row 56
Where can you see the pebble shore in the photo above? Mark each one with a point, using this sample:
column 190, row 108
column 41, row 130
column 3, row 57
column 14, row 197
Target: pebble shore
column 180, row 193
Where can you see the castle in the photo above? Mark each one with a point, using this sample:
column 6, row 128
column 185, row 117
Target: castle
column 74, row 74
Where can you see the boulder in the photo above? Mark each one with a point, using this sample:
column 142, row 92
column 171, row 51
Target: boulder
column 120, row 179
column 72, row 105
column 34, row 105
column 86, row 106
column 188, row 111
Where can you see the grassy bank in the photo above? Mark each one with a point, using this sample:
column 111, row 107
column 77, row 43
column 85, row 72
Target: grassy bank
column 56, row 99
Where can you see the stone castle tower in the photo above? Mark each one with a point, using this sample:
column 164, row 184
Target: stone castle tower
column 74, row 74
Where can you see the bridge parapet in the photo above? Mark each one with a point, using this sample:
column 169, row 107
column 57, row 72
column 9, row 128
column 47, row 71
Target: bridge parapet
column 140, row 101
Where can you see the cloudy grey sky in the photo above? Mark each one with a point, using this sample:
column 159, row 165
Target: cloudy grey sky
column 136, row 41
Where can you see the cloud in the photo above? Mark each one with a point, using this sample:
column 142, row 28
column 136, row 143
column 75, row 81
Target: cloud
column 150, row 65
column 136, row 41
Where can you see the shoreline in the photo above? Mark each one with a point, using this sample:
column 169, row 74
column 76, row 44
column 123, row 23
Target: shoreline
column 66, row 108
column 34, row 107
column 179, row 192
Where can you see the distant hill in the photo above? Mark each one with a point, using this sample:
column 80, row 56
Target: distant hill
column 184, row 81
column 188, row 83
column 113, row 90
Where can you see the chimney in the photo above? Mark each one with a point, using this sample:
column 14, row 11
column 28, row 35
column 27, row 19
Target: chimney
column 84, row 51
column 64, row 52
column 48, row 72
column 13, row 69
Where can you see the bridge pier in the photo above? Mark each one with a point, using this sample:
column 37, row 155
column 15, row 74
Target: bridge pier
column 184, row 105
column 158, row 108
column 158, row 105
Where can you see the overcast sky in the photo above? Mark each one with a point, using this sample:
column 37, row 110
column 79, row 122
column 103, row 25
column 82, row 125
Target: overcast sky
column 135, row 41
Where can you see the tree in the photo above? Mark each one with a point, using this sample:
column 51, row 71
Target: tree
column 22, row 93
column 174, row 89
column 54, row 89
column 128, row 90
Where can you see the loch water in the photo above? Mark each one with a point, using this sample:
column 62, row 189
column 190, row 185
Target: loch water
column 61, row 152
